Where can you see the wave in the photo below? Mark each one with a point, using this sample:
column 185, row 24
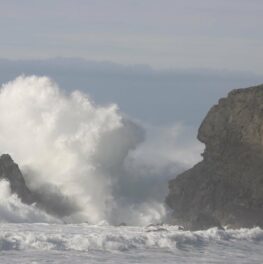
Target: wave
column 86, row 162
column 89, row 238
column 12, row 210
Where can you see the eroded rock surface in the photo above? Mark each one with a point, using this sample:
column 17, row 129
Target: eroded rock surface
column 11, row 172
column 46, row 197
column 226, row 188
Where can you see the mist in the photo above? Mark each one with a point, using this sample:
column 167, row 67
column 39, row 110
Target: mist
column 158, row 97
column 88, row 162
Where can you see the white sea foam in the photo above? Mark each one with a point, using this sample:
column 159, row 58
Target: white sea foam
column 88, row 238
column 86, row 162
column 14, row 211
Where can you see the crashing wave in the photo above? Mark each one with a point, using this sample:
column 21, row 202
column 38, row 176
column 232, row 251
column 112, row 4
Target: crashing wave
column 88, row 238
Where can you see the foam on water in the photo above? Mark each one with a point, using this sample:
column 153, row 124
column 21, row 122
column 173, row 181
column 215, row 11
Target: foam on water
column 81, row 243
column 86, row 238
column 12, row 210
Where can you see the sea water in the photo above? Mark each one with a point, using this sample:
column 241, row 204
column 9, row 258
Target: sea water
column 83, row 243
column 93, row 164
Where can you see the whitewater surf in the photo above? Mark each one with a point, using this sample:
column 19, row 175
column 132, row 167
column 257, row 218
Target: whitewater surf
column 82, row 243
column 98, row 167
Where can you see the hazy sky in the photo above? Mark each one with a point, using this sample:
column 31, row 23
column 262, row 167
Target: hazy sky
column 153, row 96
column 215, row 34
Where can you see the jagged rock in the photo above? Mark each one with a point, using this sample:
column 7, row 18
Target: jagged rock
column 46, row 197
column 226, row 188
column 11, row 172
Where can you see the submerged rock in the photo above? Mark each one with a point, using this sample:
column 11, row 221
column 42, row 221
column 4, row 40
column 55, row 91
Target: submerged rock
column 226, row 188
column 11, row 172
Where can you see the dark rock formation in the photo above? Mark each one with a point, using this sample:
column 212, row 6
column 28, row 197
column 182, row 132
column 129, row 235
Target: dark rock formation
column 11, row 172
column 46, row 197
column 226, row 188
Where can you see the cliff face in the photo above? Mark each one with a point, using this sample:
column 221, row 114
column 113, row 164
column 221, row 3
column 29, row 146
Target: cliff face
column 10, row 172
column 226, row 188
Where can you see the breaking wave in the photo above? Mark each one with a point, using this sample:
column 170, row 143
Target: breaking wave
column 88, row 238
column 84, row 162
column 14, row 211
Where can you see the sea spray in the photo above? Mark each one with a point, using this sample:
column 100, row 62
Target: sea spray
column 83, row 161
column 165, row 239
column 12, row 210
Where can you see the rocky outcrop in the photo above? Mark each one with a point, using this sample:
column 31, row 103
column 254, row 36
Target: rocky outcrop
column 11, row 172
column 226, row 188
column 47, row 197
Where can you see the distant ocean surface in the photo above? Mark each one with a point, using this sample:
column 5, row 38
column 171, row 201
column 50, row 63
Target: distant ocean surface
column 82, row 243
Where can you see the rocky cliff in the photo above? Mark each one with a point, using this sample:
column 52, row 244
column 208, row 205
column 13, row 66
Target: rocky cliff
column 11, row 172
column 226, row 188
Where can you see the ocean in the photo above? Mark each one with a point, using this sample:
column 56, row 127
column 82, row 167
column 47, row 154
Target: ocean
column 83, row 243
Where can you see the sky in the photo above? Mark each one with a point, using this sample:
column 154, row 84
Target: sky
column 157, row 65
column 161, row 61
column 156, row 97
column 207, row 34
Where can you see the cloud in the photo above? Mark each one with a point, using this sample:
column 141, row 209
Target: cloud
column 160, row 33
